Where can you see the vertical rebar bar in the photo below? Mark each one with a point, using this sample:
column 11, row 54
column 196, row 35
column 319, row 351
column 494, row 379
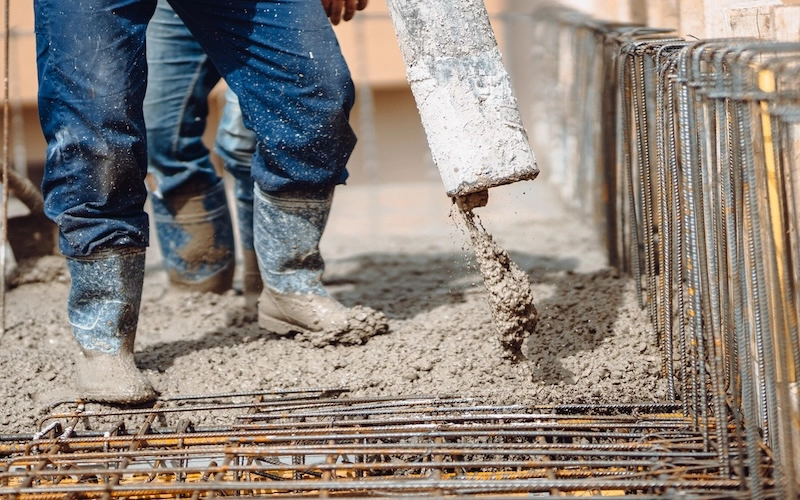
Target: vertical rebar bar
column 5, row 167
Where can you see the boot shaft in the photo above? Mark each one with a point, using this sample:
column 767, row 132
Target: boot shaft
column 104, row 298
column 287, row 231
column 195, row 235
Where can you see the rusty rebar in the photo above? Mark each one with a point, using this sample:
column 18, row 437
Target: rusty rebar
column 707, row 226
column 304, row 444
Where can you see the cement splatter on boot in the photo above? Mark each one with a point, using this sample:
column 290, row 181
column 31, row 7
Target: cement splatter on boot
column 319, row 319
column 510, row 296
column 111, row 378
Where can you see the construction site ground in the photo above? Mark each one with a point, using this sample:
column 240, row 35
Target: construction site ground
column 394, row 247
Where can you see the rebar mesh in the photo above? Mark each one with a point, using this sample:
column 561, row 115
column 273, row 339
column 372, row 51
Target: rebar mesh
column 311, row 443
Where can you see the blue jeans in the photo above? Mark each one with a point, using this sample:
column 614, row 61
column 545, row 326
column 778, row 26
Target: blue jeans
column 235, row 144
column 179, row 80
column 280, row 57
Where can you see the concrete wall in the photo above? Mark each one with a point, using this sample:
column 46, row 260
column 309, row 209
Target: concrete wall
column 765, row 19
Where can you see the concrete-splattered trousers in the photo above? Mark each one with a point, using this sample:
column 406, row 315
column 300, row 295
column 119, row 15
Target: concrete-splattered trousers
column 280, row 57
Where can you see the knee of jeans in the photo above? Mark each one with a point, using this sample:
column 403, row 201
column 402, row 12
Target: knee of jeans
column 235, row 144
column 236, row 156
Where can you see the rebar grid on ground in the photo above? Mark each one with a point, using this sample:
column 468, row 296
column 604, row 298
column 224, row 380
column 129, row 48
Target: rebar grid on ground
column 692, row 179
column 309, row 443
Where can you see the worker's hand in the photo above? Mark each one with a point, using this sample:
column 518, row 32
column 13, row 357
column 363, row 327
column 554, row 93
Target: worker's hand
column 342, row 9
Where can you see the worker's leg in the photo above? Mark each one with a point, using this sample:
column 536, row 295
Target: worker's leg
column 283, row 61
column 91, row 89
column 235, row 144
column 296, row 95
column 191, row 214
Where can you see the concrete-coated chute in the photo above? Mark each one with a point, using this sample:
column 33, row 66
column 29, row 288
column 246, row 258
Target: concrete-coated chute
column 463, row 94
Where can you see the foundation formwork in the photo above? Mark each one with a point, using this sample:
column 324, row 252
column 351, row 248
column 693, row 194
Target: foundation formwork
column 684, row 154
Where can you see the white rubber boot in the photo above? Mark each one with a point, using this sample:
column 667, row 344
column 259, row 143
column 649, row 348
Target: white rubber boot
column 103, row 309
column 287, row 231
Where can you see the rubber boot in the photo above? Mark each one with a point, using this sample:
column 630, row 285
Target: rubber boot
column 287, row 232
column 195, row 235
column 103, row 309
column 251, row 285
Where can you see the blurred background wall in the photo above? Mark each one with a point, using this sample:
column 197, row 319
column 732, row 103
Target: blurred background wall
column 392, row 145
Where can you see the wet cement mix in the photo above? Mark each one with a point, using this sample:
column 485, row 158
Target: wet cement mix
column 509, row 293
column 399, row 250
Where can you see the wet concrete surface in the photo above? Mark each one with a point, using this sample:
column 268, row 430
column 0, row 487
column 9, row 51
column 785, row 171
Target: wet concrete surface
column 396, row 248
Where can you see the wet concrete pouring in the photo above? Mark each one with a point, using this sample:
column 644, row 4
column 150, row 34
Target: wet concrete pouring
column 398, row 249
column 509, row 293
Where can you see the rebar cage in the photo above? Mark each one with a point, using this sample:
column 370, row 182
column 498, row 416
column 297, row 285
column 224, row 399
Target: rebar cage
column 685, row 155
column 309, row 443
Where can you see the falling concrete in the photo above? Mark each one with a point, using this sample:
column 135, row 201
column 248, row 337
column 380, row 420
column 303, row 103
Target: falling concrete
column 510, row 296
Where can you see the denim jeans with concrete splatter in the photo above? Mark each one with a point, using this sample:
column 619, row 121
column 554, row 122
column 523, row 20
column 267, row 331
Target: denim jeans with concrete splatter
column 280, row 57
